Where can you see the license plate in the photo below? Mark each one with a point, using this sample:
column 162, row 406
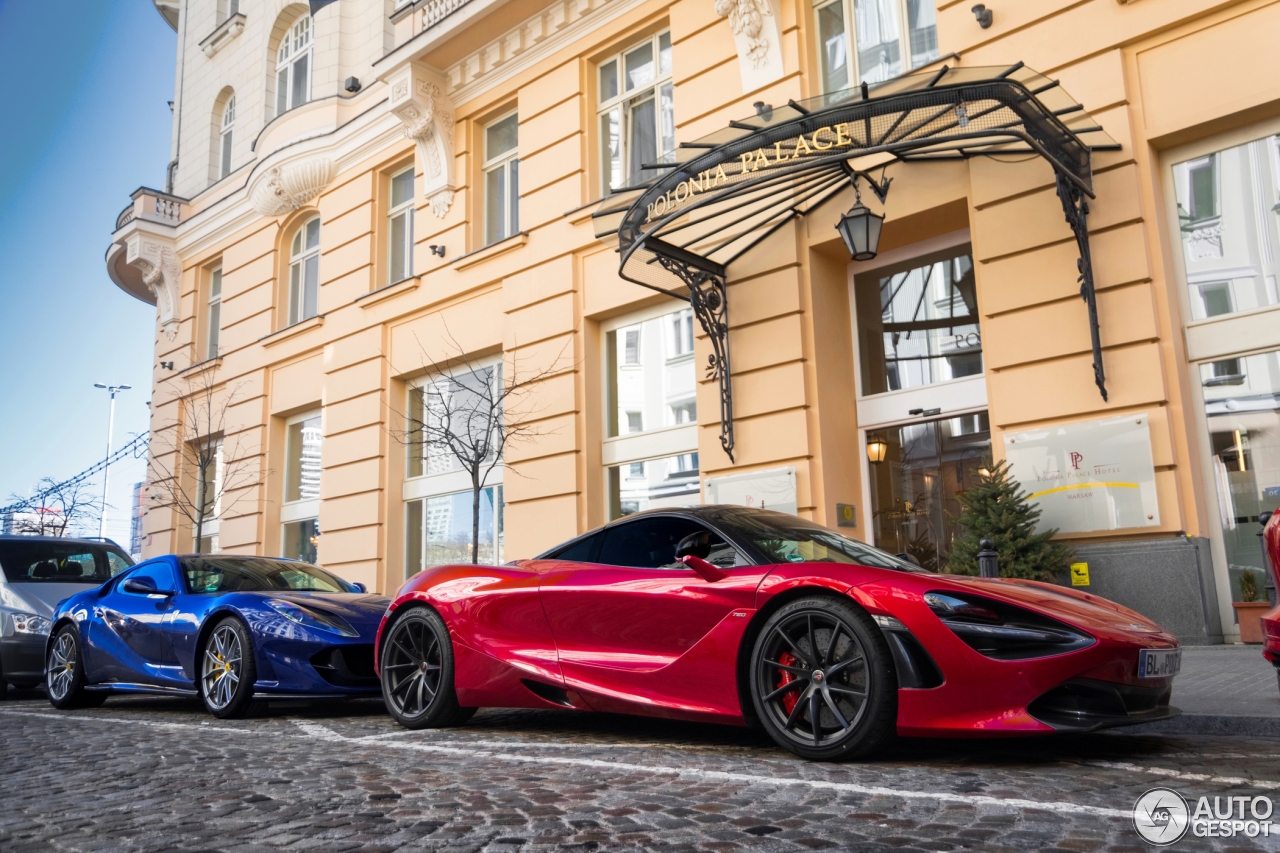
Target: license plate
column 1159, row 663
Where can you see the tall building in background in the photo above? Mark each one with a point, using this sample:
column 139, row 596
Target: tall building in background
column 362, row 196
column 137, row 515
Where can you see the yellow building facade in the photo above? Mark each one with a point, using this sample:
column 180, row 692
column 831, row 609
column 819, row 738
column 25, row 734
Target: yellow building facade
column 369, row 192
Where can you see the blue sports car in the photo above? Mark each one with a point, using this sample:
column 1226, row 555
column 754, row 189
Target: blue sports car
column 230, row 629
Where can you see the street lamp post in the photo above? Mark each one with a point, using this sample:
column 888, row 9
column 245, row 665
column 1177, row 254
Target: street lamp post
column 106, row 467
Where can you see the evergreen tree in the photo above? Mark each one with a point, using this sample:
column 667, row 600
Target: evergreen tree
column 998, row 510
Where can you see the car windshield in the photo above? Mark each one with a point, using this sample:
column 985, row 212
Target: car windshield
column 212, row 575
column 42, row 561
column 785, row 538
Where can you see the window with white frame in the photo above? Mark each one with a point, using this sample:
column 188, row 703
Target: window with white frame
column 651, row 414
column 224, row 141
column 293, row 66
column 304, row 272
column 300, row 509
column 213, row 314
column 501, row 179
column 209, row 494
column 873, row 40
column 440, row 507
column 636, row 112
column 400, row 222
column 227, row 8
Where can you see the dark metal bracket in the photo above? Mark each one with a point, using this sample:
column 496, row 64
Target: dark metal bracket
column 710, row 304
column 1076, row 208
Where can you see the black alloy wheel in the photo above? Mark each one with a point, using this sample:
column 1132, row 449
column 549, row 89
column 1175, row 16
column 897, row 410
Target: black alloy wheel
column 228, row 671
column 822, row 680
column 417, row 672
column 64, row 672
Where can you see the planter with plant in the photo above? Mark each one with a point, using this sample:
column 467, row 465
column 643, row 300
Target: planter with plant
column 1249, row 608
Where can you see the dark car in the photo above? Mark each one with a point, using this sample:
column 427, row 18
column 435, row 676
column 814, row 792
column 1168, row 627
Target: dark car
column 38, row 572
column 230, row 629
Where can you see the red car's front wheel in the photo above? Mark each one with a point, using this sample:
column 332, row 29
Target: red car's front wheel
column 822, row 680
column 417, row 672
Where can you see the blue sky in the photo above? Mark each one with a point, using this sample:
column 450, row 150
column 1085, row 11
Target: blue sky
column 87, row 123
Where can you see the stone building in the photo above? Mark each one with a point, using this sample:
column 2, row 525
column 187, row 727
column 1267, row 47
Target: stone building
column 364, row 193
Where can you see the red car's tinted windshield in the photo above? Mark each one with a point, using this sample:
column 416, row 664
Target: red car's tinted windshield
column 42, row 561
column 785, row 538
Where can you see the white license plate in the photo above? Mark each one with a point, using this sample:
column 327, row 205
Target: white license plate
column 1159, row 663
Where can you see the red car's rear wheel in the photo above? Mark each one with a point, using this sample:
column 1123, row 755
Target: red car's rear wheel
column 822, row 680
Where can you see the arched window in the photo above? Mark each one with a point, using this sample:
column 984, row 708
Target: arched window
column 224, row 143
column 304, row 272
column 293, row 66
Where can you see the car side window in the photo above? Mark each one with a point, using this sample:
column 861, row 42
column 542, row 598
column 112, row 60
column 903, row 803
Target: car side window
column 582, row 551
column 646, row 543
column 160, row 574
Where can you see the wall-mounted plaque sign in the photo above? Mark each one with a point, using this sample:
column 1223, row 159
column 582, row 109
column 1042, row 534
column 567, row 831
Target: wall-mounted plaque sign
column 774, row 488
column 1088, row 475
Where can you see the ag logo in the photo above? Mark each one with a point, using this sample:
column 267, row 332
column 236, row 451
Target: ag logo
column 1161, row 816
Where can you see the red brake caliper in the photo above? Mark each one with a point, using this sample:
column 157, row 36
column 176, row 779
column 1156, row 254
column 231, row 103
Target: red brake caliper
column 789, row 698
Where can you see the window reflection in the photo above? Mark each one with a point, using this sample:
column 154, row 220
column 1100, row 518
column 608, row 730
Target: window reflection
column 918, row 322
column 1227, row 223
column 669, row 482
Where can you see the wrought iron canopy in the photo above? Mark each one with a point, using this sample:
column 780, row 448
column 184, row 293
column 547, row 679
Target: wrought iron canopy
column 682, row 227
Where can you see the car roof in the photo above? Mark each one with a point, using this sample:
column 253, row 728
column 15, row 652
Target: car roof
column 77, row 540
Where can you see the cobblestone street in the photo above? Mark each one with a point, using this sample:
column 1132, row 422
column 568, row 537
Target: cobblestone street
column 157, row 774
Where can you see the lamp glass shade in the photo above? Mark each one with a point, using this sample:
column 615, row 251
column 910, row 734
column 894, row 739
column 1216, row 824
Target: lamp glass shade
column 877, row 447
column 860, row 230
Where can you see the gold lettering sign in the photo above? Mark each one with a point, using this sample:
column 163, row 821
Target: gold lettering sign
column 822, row 139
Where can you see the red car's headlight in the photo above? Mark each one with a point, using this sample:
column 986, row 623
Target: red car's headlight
column 1003, row 631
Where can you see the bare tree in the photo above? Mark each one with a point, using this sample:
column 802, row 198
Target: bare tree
column 205, row 470
column 55, row 509
column 471, row 413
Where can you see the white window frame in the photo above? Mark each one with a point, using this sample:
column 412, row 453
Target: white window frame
column 297, row 281
column 225, row 137
column 508, row 163
column 213, row 315
column 653, row 444
column 295, row 46
column 423, row 486
column 622, row 102
column 403, row 209
column 850, row 41
column 298, row 510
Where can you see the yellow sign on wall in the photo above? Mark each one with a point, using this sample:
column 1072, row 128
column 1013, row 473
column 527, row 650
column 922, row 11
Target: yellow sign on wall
column 1079, row 574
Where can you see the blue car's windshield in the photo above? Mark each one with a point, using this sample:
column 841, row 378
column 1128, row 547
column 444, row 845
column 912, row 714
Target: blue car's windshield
column 211, row 575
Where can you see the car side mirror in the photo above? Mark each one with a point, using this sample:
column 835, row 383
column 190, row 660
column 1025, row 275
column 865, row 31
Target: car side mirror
column 144, row 586
column 695, row 545
column 360, row 587
column 710, row 572
column 908, row 558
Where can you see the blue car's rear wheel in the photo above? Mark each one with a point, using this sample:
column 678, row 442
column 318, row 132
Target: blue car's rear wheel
column 64, row 672
column 417, row 672
column 227, row 670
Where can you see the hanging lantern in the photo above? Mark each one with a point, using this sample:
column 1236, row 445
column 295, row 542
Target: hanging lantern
column 860, row 230
column 877, row 447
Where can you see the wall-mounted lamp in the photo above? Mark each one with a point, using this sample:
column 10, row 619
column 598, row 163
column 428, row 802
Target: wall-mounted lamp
column 166, row 365
column 352, row 85
column 437, row 250
column 765, row 111
column 983, row 14
column 877, row 447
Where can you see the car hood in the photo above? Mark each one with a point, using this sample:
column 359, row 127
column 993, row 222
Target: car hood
column 1090, row 612
column 361, row 610
column 39, row 598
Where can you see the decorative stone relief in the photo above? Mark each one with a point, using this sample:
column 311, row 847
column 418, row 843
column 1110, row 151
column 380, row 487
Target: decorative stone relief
column 1204, row 241
column 418, row 99
column 156, row 258
column 284, row 189
column 756, row 34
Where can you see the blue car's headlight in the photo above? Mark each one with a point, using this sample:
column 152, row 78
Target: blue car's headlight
column 312, row 618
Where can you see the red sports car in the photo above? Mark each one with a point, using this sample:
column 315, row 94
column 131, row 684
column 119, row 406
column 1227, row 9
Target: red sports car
column 733, row 615
column 1271, row 619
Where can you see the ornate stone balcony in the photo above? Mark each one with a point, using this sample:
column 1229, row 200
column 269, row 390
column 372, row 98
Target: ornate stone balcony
column 143, row 259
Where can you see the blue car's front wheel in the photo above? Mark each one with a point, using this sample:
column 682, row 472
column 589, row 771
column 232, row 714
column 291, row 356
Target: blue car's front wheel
column 227, row 669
